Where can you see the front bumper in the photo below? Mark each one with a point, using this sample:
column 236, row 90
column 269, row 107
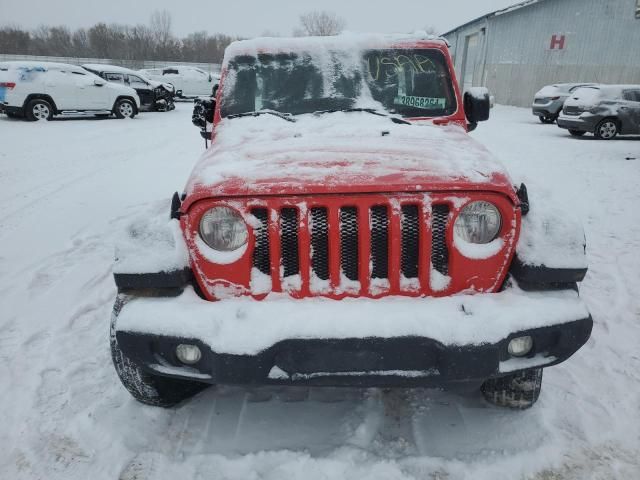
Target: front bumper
column 357, row 342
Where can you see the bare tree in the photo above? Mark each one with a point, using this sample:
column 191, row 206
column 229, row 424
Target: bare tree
column 161, row 23
column 320, row 23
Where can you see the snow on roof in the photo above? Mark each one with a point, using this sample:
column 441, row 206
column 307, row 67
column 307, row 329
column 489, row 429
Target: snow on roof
column 345, row 41
column 43, row 65
column 103, row 67
column 497, row 13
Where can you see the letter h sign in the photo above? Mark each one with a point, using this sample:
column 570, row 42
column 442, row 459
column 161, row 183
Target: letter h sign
column 557, row 42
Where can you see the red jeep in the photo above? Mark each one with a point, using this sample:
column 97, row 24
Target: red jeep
column 344, row 229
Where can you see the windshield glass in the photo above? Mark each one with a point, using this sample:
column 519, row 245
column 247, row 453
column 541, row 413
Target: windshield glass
column 407, row 82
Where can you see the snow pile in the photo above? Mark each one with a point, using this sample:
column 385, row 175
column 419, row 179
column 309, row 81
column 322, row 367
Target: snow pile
column 478, row 93
column 151, row 243
column 230, row 326
column 551, row 236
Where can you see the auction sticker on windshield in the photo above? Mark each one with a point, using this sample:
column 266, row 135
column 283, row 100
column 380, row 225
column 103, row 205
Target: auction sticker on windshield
column 427, row 103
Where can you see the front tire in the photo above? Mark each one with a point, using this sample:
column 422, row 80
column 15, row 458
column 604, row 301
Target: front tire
column 577, row 133
column 146, row 388
column 39, row 110
column 547, row 119
column 124, row 108
column 518, row 391
column 607, row 129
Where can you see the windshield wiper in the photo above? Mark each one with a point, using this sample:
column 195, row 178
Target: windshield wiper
column 372, row 111
column 284, row 116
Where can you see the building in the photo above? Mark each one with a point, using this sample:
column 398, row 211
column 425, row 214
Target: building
column 516, row 51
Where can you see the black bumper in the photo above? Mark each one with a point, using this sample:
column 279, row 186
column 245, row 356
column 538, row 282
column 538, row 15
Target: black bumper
column 367, row 362
column 16, row 111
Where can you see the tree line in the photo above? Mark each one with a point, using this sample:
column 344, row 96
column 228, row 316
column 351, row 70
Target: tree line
column 154, row 41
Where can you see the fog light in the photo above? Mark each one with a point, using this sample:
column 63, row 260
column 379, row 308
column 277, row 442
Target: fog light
column 520, row 346
column 188, row 354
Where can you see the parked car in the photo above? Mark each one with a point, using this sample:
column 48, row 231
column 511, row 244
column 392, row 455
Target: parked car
column 548, row 102
column 189, row 82
column 153, row 95
column 344, row 230
column 40, row 90
column 604, row 110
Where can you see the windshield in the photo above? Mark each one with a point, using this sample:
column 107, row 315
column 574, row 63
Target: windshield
column 407, row 82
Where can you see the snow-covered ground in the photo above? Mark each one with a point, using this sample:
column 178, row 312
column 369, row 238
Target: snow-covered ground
column 69, row 186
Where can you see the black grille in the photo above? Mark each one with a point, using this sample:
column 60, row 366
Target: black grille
column 439, row 250
column 289, row 241
column 320, row 243
column 349, row 242
column 261, row 259
column 379, row 242
column 410, row 241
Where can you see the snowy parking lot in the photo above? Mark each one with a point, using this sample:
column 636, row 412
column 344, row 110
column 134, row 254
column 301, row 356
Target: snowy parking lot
column 70, row 185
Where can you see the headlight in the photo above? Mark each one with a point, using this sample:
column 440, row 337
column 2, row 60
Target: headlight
column 223, row 229
column 478, row 222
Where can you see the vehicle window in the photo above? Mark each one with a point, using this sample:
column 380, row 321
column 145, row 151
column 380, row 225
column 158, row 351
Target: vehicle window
column 136, row 82
column 632, row 95
column 409, row 82
column 114, row 77
column 170, row 71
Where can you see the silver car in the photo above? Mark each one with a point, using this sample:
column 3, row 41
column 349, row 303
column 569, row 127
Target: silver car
column 548, row 102
column 604, row 110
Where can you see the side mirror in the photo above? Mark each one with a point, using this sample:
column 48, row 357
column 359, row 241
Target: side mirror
column 477, row 105
column 98, row 82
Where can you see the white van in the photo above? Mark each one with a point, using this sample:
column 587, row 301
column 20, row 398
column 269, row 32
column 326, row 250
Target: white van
column 40, row 90
column 188, row 81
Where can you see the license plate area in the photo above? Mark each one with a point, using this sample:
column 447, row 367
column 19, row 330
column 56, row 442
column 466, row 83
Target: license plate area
column 356, row 355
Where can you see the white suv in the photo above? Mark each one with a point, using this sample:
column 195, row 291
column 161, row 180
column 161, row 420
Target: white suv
column 40, row 90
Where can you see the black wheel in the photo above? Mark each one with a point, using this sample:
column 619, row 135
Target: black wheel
column 38, row 110
column 124, row 108
column 577, row 133
column 518, row 391
column 547, row 119
column 607, row 129
column 146, row 388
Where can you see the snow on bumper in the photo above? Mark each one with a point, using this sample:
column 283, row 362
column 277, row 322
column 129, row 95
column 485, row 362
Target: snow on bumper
column 353, row 341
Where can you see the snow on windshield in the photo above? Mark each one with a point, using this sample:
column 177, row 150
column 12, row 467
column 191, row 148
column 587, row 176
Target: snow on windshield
column 329, row 75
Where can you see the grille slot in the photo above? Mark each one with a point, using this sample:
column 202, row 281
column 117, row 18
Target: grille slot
column 439, row 249
column 289, row 241
column 379, row 242
column 261, row 257
column 320, row 243
column 410, row 241
column 349, row 242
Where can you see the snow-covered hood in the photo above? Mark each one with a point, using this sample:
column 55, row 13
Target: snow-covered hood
column 155, row 84
column 340, row 152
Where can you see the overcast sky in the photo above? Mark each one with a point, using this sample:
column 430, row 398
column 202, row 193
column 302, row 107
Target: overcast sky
column 250, row 17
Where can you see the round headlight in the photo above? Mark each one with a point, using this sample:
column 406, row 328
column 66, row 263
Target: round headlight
column 223, row 229
column 478, row 222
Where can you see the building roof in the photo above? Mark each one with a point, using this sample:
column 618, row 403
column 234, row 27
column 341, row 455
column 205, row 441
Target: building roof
column 502, row 11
